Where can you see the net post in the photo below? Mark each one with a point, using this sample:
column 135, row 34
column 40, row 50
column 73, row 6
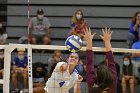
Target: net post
column 30, row 81
column 7, row 65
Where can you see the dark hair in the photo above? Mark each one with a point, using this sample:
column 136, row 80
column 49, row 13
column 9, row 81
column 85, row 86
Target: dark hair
column 127, row 56
column 134, row 17
column 38, row 64
column 104, row 79
column 40, row 11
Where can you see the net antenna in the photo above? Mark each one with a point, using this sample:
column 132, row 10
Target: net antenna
column 29, row 38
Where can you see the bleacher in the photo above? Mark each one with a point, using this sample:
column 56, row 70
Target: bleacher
column 3, row 12
column 114, row 14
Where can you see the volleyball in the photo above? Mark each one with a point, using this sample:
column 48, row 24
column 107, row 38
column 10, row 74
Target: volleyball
column 73, row 43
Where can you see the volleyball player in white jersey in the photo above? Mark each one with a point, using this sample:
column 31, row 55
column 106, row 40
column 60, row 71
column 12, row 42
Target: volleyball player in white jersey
column 64, row 76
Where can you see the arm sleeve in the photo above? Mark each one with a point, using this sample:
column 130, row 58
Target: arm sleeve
column 111, row 63
column 90, row 75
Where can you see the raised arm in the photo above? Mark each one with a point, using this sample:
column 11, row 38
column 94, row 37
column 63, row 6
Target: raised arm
column 90, row 75
column 106, row 37
column 109, row 55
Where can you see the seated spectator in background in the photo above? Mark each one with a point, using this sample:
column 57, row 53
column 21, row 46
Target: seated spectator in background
column 127, row 72
column 136, row 57
column 40, row 28
column 78, row 24
column 3, row 35
column 56, row 57
column 39, row 78
column 1, row 63
column 20, row 68
column 134, row 28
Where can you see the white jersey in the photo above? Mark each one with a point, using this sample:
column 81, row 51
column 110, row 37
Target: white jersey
column 61, row 82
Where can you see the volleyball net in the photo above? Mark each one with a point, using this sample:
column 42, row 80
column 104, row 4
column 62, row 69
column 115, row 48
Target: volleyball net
column 42, row 53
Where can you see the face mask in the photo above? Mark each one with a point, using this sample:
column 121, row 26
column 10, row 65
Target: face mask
column 21, row 57
column 78, row 16
column 1, row 56
column 126, row 63
column 40, row 16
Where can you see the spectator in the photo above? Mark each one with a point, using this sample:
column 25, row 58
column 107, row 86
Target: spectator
column 39, row 77
column 3, row 35
column 20, row 68
column 127, row 74
column 1, row 63
column 40, row 28
column 136, row 57
column 78, row 24
column 56, row 57
column 134, row 28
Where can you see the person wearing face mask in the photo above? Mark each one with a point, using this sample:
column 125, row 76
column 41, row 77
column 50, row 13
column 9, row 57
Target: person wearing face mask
column 134, row 28
column 3, row 35
column 78, row 24
column 1, row 63
column 127, row 73
column 20, row 68
column 40, row 28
